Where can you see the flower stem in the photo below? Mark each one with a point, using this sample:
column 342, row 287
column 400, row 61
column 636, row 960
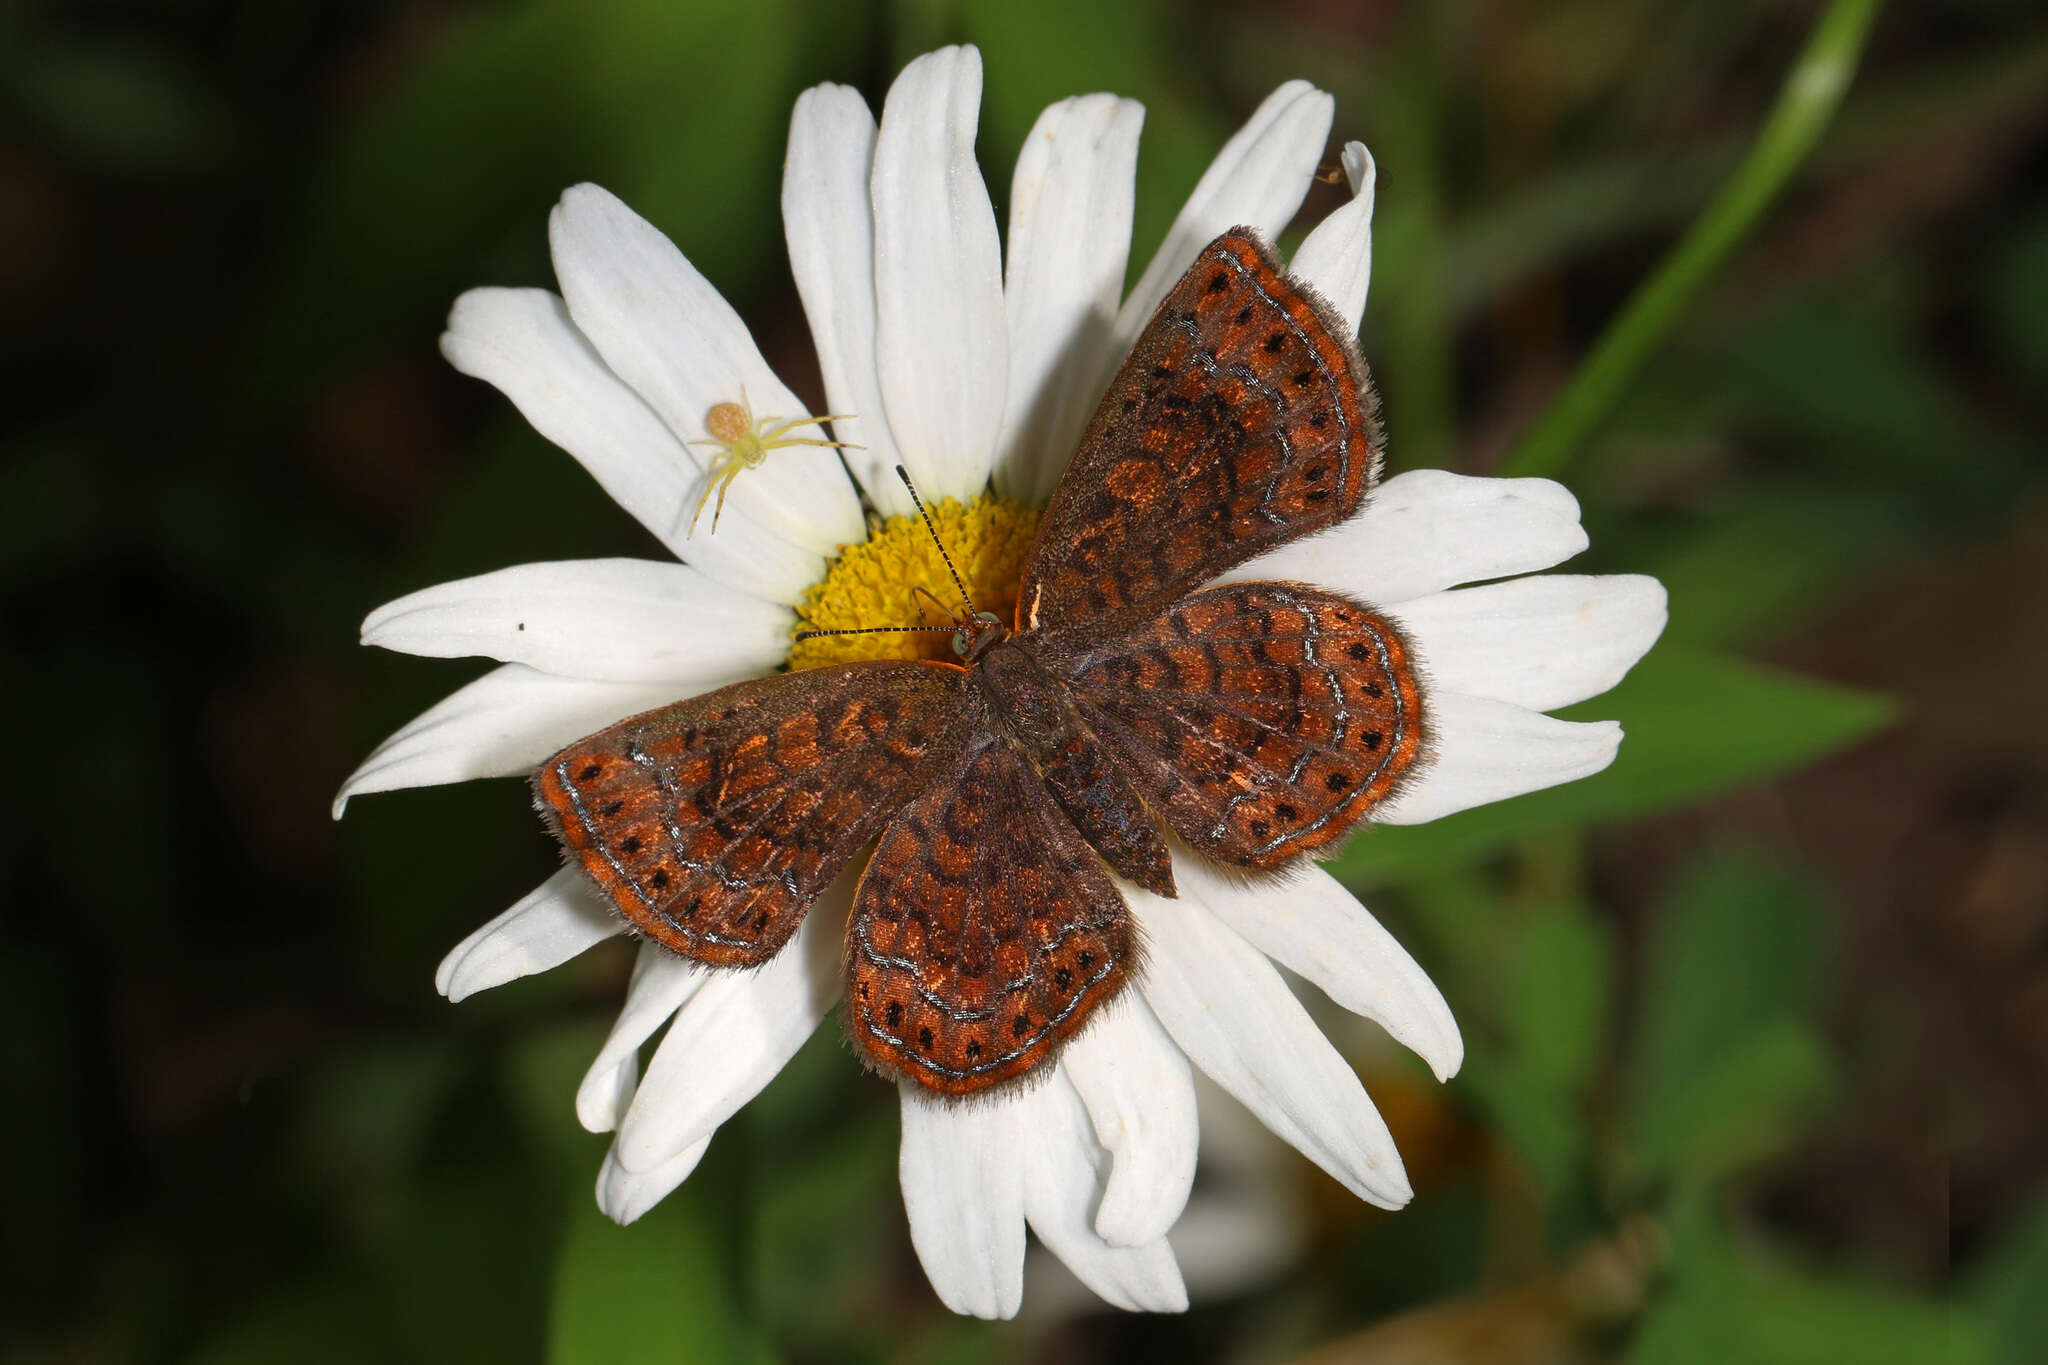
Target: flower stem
column 1812, row 91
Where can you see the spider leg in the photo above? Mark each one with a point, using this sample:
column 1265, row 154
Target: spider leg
column 724, row 469
column 724, row 484
column 795, row 422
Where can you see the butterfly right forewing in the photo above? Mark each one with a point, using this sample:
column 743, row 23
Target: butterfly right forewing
column 1242, row 419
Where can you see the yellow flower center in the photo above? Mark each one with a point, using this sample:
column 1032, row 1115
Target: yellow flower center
column 876, row 582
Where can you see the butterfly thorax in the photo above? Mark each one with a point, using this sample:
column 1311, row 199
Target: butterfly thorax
column 1030, row 707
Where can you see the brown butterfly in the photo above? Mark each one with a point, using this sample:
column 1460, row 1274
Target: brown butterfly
column 1255, row 721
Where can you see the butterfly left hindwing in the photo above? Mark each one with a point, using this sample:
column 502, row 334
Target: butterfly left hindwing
column 985, row 930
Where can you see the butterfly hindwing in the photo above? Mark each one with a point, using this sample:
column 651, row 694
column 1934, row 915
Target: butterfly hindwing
column 714, row 823
column 1261, row 720
column 1242, row 419
column 985, row 930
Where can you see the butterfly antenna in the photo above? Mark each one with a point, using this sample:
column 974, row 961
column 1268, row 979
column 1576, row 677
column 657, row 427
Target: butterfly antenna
column 867, row 630
column 965, row 601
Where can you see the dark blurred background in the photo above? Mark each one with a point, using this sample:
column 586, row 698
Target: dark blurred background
column 1757, row 1020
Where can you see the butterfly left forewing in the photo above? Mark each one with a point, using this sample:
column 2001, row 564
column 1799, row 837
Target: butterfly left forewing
column 1261, row 721
column 984, row 932
column 1242, row 419
column 714, row 823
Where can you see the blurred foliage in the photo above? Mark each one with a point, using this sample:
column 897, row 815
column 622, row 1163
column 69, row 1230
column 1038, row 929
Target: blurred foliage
column 1753, row 1018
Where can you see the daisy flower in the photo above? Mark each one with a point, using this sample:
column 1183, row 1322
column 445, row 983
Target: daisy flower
column 974, row 367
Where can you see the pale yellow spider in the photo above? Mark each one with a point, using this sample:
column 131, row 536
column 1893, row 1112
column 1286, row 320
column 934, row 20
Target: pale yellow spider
column 744, row 442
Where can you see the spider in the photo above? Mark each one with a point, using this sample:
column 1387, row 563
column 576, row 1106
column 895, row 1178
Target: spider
column 744, row 442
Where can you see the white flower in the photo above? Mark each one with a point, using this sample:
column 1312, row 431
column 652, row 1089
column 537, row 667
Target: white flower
column 974, row 371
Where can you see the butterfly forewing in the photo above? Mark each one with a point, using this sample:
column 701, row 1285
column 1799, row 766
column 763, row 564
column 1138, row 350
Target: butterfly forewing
column 1243, row 419
column 1261, row 720
column 985, row 930
column 714, row 823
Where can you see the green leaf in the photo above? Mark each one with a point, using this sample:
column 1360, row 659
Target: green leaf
column 1733, row 1303
column 1806, row 1322
column 368, row 1111
column 1531, row 1060
column 332, row 1320
column 816, row 1226
column 1765, row 561
column 1738, row 944
column 542, row 1074
column 1696, row 724
column 1558, row 994
column 464, row 1266
column 1725, row 1059
column 1868, row 407
column 2005, row 1286
column 1745, row 1103
column 661, row 1291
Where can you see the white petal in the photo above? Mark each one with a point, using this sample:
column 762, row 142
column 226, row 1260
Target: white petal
column 1070, row 239
column 1491, row 750
column 1428, row 530
column 624, row 1195
column 500, row 725
column 829, row 221
column 1258, row 180
column 1140, row 1094
column 1227, row 1007
column 962, row 1171
column 560, row 918
column 663, row 329
column 732, row 1036
column 1312, row 926
column 523, row 342
column 615, row 620
column 662, row 982
column 1061, row 1186
column 1540, row 642
column 1335, row 259
column 941, row 345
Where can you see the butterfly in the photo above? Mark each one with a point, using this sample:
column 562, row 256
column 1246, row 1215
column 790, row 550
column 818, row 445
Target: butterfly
column 1126, row 705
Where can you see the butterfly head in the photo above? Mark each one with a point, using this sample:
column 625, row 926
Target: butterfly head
column 978, row 634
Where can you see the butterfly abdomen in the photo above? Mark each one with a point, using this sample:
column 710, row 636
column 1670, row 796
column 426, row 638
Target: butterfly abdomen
column 1034, row 710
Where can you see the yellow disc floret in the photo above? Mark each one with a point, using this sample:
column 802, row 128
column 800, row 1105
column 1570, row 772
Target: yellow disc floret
column 877, row 582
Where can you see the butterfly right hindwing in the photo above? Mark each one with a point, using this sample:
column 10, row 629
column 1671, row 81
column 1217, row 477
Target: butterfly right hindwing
column 1262, row 721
